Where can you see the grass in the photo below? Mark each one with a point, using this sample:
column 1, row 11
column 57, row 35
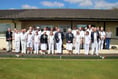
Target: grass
column 58, row 69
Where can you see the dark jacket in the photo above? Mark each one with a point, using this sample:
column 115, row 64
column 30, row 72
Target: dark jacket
column 44, row 38
column 8, row 36
column 92, row 36
column 69, row 37
column 57, row 38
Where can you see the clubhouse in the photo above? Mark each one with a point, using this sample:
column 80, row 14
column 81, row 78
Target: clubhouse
column 63, row 18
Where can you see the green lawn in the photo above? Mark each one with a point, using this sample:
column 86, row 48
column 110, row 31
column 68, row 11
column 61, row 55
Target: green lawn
column 58, row 69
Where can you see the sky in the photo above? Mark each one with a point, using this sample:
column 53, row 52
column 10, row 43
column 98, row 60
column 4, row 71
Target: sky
column 58, row 4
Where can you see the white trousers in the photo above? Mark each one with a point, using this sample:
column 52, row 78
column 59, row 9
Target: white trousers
column 23, row 46
column 51, row 48
column 59, row 47
column 94, row 48
column 101, row 42
column 9, row 44
column 36, row 47
column 77, row 48
column 86, row 48
column 17, row 46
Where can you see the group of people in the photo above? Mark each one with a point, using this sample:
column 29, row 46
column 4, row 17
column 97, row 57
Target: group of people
column 36, row 41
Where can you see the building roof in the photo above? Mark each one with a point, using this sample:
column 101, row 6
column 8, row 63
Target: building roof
column 59, row 14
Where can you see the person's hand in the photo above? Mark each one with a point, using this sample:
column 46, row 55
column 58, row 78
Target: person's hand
column 69, row 41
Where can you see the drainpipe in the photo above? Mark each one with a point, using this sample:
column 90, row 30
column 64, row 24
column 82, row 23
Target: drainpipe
column 14, row 24
column 104, row 25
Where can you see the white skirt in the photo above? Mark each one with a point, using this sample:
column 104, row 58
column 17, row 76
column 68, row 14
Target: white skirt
column 69, row 46
column 43, row 46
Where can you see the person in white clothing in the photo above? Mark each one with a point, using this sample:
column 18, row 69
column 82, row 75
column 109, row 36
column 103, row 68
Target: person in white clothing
column 17, row 41
column 13, row 42
column 78, row 41
column 30, row 42
column 102, row 38
column 82, row 33
column 44, row 42
column 36, row 43
column 51, row 43
column 59, row 36
column 95, row 40
column 87, row 41
column 74, row 30
column 69, row 41
column 23, row 37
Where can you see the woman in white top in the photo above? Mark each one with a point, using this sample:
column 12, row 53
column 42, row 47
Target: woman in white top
column 30, row 42
column 17, row 41
column 78, row 41
column 36, row 43
column 51, row 43
column 102, row 38
column 87, row 40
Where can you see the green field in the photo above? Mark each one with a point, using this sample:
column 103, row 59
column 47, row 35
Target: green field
column 58, row 69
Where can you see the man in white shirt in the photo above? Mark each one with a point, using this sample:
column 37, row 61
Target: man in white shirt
column 95, row 40
column 36, row 42
column 23, row 37
column 17, row 41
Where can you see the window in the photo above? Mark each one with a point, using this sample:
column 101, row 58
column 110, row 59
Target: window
column 117, row 31
column 81, row 25
column 43, row 26
column 3, row 29
column 64, row 27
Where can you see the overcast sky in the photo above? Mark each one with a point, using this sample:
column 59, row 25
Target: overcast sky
column 46, row 4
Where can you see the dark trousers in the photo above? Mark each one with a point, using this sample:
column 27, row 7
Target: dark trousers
column 108, row 43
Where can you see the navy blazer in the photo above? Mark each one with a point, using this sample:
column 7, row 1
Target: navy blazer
column 44, row 38
column 69, row 37
column 8, row 36
column 92, row 36
column 57, row 38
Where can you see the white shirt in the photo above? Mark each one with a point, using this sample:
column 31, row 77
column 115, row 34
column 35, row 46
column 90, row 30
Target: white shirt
column 78, row 38
column 87, row 39
column 47, row 32
column 51, row 39
column 17, row 37
column 89, row 30
column 102, row 34
column 74, row 32
column 95, row 36
column 37, row 38
column 82, row 33
column 23, row 36
column 30, row 37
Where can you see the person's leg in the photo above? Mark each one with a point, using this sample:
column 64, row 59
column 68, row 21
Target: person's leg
column 93, row 48
column 18, row 46
column 85, row 48
column 22, row 47
column 96, row 48
column 52, row 45
column 15, row 46
column 49, row 50
column 102, row 42
column 106, row 43
column 60, row 48
column 37, row 48
column 8, row 47
column 109, row 43
column 25, row 47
